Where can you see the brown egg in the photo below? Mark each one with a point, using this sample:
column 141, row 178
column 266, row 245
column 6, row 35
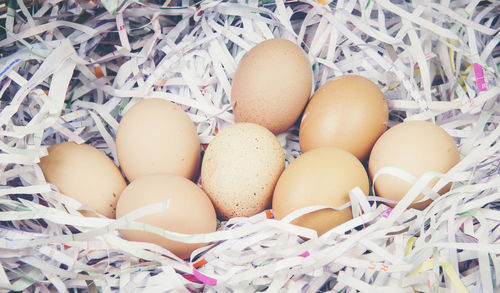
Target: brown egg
column 322, row 176
column 271, row 85
column 240, row 168
column 349, row 112
column 156, row 136
column 190, row 211
column 86, row 174
column 416, row 147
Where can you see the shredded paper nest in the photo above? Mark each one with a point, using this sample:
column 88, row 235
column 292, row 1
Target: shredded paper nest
column 70, row 69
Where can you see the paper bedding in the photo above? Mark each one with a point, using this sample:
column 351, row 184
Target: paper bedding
column 70, row 69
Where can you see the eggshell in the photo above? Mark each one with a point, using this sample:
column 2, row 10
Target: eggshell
column 349, row 112
column 240, row 168
column 271, row 85
column 156, row 136
column 85, row 174
column 416, row 147
column 322, row 176
column 190, row 211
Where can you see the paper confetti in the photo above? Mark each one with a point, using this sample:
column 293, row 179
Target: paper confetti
column 69, row 70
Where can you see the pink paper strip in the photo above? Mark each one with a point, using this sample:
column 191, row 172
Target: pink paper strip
column 387, row 213
column 479, row 73
column 204, row 279
column 304, row 254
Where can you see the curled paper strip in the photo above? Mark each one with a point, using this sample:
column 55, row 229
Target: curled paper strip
column 69, row 70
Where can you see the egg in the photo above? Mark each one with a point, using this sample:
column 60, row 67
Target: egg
column 416, row 147
column 349, row 112
column 190, row 210
column 271, row 85
column 85, row 174
column 322, row 176
column 240, row 168
column 156, row 136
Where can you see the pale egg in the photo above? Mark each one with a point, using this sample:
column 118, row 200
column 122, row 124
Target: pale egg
column 157, row 136
column 85, row 174
column 190, row 211
column 416, row 147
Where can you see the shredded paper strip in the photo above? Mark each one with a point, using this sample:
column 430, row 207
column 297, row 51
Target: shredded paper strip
column 69, row 70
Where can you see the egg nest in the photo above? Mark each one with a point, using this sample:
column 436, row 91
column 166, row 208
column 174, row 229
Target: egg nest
column 70, row 69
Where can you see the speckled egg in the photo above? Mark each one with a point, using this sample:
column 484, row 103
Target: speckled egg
column 240, row 168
